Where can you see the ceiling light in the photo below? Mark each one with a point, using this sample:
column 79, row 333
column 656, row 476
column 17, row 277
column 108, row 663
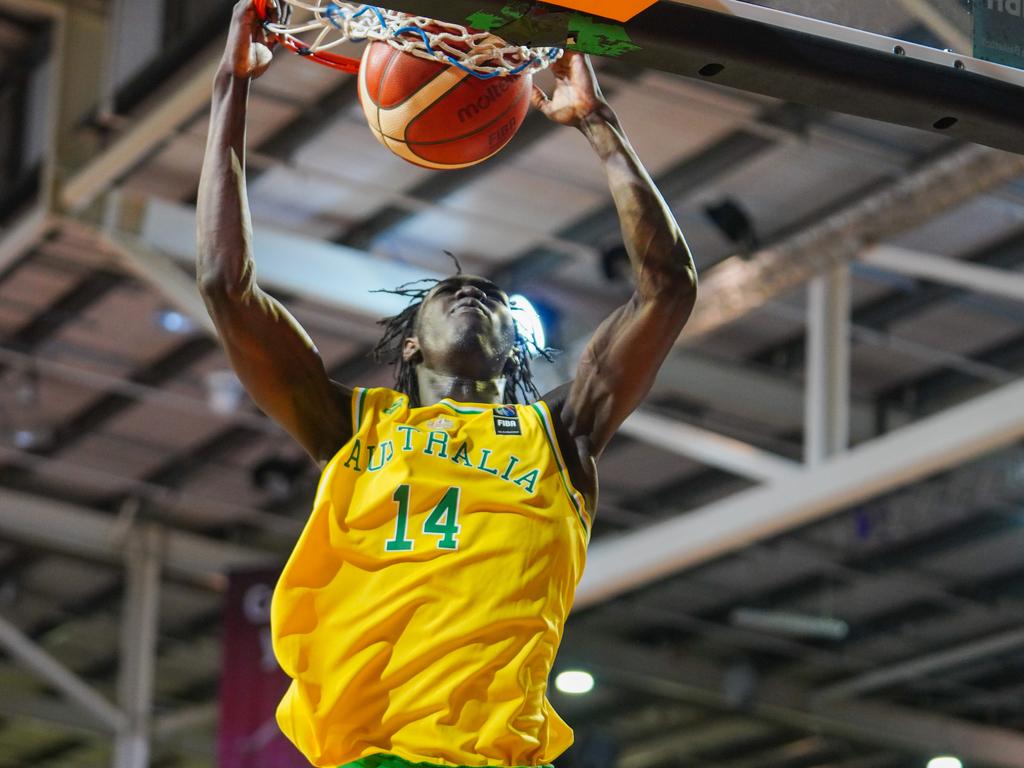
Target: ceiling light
column 574, row 681
column 173, row 321
column 25, row 439
column 945, row 761
column 530, row 325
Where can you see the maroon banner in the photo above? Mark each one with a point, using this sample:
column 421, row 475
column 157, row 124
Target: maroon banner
column 252, row 683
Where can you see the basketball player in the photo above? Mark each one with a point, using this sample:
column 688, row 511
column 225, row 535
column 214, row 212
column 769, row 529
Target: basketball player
column 421, row 610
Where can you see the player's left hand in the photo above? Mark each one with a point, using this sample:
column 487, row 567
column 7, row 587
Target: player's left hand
column 576, row 96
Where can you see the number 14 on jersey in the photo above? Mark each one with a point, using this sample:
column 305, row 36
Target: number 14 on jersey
column 443, row 521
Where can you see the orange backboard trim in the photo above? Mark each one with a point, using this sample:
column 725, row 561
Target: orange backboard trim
column 620, row 10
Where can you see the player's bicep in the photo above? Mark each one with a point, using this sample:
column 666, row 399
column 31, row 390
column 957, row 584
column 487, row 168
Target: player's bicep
column 280, row 368
column 619, row 365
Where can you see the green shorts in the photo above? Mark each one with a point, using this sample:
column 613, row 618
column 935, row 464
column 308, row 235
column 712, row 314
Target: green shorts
column 383, row 760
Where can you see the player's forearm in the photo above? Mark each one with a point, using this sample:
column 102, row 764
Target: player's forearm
column 224, row 223
column 657, row 249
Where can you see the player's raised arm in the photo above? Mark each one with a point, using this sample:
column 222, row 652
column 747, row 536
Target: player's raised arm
column 621, row 360
column 272, row 355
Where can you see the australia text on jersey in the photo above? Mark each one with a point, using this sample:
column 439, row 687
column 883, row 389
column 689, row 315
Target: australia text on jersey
column 436, row 444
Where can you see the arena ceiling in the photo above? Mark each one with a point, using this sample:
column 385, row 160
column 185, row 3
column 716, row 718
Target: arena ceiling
column 723, row 570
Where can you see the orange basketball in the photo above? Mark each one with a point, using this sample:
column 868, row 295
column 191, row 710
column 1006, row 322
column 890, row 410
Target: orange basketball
column 438, row 116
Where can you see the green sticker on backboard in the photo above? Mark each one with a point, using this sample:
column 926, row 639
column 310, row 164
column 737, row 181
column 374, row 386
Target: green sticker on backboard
column 999, row 31
column 599, row 38
column 531, row 26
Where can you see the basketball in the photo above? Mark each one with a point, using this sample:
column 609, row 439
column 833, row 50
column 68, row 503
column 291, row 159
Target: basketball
column 438, row 116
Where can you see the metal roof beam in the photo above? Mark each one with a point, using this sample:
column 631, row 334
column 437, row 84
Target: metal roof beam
column 827, row 399
column 906, row 671
column 961, row 274
column 86, row 533
column 684, row 678
column 40, row 663
column 189, row 94
column 738, row 286
column 49, row 709
column 334, row 275
column 139, row 631
column 162, row 274
column 22, row 236
column 726, row 386
column 901, row 457
column 708, row 447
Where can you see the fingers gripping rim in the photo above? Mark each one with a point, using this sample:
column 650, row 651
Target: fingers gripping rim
column 295, row 44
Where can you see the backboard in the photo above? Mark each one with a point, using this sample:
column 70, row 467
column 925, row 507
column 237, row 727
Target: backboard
column 907, row 62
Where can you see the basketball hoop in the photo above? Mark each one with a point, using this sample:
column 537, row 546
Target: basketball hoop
column 314, row 28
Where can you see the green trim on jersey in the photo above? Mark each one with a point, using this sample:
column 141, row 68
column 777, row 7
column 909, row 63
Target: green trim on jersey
column 462, row 409
column 359, row 402
column 563, row 473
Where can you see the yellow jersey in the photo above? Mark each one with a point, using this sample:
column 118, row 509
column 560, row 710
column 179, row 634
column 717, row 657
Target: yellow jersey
column 421, row 610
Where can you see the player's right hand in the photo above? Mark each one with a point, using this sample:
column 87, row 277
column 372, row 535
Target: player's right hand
column 248, row 50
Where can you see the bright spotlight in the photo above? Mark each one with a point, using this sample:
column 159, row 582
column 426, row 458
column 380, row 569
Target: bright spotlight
column 529, row 322
column 575, row 681
column 945, row 761
column 174, row 322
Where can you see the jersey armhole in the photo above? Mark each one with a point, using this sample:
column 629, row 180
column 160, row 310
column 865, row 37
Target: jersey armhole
column 576, row 499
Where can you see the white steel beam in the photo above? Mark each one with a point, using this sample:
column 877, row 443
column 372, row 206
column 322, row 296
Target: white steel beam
column 749, row 392
column 46, row 709
column 183, row 98
column 329, row 274
column 42, row 664
column 684, row 745
column 83, row 532
column 626, row 562
column 164, row 275
column 50, row 709
column 170, row 725
column 893, row 674
column 686, row 679
column 139, row 626
column 51, row 8
column 738, row 286
column 827, row 415
column 19, row 238
column 961, row 274
column 708, row 447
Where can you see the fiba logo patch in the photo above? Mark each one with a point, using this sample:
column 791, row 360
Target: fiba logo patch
column 506, row 421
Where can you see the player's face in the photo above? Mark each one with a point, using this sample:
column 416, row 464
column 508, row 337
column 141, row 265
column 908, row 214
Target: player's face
column 464, row 328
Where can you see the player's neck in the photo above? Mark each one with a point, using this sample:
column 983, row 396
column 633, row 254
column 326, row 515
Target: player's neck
column 435, row 386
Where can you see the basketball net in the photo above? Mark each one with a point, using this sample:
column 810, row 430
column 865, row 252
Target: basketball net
column 314, row 28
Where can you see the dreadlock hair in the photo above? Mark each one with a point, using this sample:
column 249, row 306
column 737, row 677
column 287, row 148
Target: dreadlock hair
column 519, row 384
